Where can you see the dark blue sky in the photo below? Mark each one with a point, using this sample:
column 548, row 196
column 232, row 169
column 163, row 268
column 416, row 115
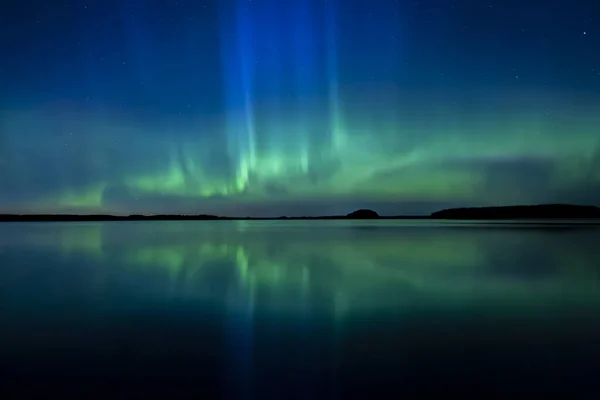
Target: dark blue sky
column 299, row 107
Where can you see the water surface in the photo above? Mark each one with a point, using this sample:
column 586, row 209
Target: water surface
column 300, row 309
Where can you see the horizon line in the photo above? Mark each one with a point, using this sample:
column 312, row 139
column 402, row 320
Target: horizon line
column 537, row 211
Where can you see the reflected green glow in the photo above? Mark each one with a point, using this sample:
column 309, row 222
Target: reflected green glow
column 349, row 266
column 80, row 239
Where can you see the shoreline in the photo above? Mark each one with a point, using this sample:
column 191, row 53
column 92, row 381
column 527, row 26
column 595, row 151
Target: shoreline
column 531, row 213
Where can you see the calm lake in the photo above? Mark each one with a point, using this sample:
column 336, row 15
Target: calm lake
column 301, row 309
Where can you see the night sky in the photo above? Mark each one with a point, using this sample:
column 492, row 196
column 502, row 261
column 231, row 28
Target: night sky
column 297, row 107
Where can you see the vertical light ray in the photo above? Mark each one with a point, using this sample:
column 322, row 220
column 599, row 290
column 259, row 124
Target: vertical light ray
column 239, row 63
column 238, row 51
column 336, row 123
column 304, row 73
column 282, row 57
column 246, row 56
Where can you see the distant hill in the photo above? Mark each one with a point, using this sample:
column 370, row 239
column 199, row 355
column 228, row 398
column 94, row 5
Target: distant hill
column 363, row 214
column 544, row 211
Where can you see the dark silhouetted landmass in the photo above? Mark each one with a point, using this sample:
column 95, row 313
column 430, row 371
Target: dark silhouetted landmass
column 544, row 211
column 547, row 211
column 363, row 214
column 359, row 214
column 101, row 217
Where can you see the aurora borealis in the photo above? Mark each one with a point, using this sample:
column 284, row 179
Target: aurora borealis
column 299, row 107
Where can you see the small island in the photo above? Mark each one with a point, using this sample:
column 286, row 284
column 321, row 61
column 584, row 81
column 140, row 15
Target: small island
column 363, row 214
column 543, row 211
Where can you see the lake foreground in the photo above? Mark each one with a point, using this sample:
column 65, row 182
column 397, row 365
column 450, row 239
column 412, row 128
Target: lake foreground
column 300, row 309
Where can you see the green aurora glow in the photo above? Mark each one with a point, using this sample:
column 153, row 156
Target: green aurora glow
column 388, row 162
column 297, row 108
